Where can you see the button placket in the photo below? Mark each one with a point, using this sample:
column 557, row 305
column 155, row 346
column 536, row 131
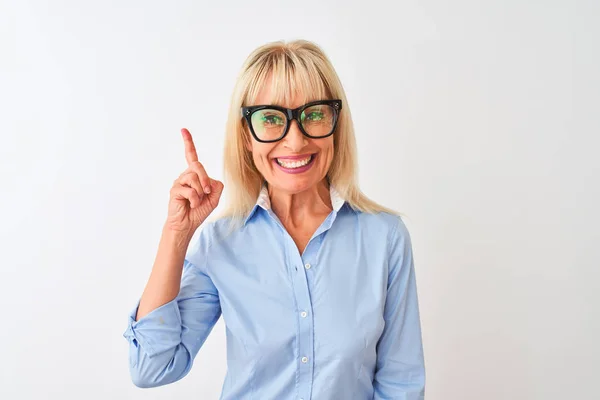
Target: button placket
column 305, row 324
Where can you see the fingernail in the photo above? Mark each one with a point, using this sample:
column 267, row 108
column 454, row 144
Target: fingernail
column 207, row 189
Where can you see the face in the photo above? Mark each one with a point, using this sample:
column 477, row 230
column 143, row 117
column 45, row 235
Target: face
column 295, row 163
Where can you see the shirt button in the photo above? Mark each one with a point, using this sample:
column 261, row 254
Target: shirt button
column 303, row 314
column 304, row 360
column 307, row 266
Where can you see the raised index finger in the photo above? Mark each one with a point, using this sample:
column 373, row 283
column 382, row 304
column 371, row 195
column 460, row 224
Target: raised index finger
column 190, row 149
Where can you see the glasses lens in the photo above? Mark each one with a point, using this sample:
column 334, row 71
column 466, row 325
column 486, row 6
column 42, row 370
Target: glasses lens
column 268, row 124
column 318, row 120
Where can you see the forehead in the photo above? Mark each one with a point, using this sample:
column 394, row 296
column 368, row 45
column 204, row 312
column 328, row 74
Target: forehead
column 289, row 89
column 269, row 95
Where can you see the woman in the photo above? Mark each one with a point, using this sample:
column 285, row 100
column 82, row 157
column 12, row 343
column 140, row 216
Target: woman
column 315, row 282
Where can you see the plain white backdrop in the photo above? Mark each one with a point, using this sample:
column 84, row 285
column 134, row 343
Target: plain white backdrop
column 478, row 120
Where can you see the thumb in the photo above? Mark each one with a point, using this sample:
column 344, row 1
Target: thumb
column 216, row 188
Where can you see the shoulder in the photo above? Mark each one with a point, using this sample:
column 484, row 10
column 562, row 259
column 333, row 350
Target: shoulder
column 383, row 223
column 215, row 231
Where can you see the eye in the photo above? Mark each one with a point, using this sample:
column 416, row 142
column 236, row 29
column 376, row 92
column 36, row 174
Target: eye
column 314, row 116
column 272, row 119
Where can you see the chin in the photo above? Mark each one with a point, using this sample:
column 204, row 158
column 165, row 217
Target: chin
column 294, row 185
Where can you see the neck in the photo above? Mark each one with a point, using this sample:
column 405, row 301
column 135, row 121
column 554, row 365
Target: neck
column 292, row 208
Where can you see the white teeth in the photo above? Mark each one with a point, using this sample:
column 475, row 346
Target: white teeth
column 294, row 164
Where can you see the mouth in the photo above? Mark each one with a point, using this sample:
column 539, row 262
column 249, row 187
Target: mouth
column 295, row 165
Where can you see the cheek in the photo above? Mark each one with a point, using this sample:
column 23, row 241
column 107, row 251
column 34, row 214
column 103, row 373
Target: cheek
column 327, row 149
column 261, row 152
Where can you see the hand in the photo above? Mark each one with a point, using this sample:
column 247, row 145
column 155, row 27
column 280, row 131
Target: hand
column 194, row 194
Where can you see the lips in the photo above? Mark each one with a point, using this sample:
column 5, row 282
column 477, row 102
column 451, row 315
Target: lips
column 294, row 162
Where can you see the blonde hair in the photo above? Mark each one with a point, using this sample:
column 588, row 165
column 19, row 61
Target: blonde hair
column 297, row 67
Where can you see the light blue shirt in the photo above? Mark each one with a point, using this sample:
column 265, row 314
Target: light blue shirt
column 339, row 321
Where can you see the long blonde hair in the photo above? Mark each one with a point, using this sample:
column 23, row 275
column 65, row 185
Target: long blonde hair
column 296, row 67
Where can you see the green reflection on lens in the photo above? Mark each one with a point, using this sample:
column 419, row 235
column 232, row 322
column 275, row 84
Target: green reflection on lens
column 268, row 124
column 318, row 120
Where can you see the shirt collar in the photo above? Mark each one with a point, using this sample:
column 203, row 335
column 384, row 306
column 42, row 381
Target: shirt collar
column 263, row 201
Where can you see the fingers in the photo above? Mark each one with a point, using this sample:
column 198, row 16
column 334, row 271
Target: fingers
column 190, row 149
column 186, row 193
column 188, row 186
column 195, row 177
column 191, row 179
column 217, row 186
column 198, row 168
column 194, row 182
column 192, row 159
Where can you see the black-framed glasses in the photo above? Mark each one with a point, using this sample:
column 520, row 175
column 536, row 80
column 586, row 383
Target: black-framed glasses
column 270, row 123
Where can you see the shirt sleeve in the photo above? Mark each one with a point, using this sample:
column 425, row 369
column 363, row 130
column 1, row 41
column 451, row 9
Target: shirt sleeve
column 400, row 369
column 164, row 343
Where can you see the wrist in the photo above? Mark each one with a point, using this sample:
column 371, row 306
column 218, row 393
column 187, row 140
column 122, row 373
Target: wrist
column 177, row 238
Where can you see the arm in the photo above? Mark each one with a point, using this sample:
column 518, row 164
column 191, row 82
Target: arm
column 400, row 369
column 164, row 342
column 165, row 278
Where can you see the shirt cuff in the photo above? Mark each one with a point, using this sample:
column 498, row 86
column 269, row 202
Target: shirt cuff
column 157, row 331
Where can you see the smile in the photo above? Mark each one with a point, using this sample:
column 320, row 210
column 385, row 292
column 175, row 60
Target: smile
column 295, row 163
column 295, row 166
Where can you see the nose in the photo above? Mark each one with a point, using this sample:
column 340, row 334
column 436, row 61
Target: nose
column 295, row 140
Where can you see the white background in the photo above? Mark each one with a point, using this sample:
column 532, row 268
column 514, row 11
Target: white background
column 479, row 120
